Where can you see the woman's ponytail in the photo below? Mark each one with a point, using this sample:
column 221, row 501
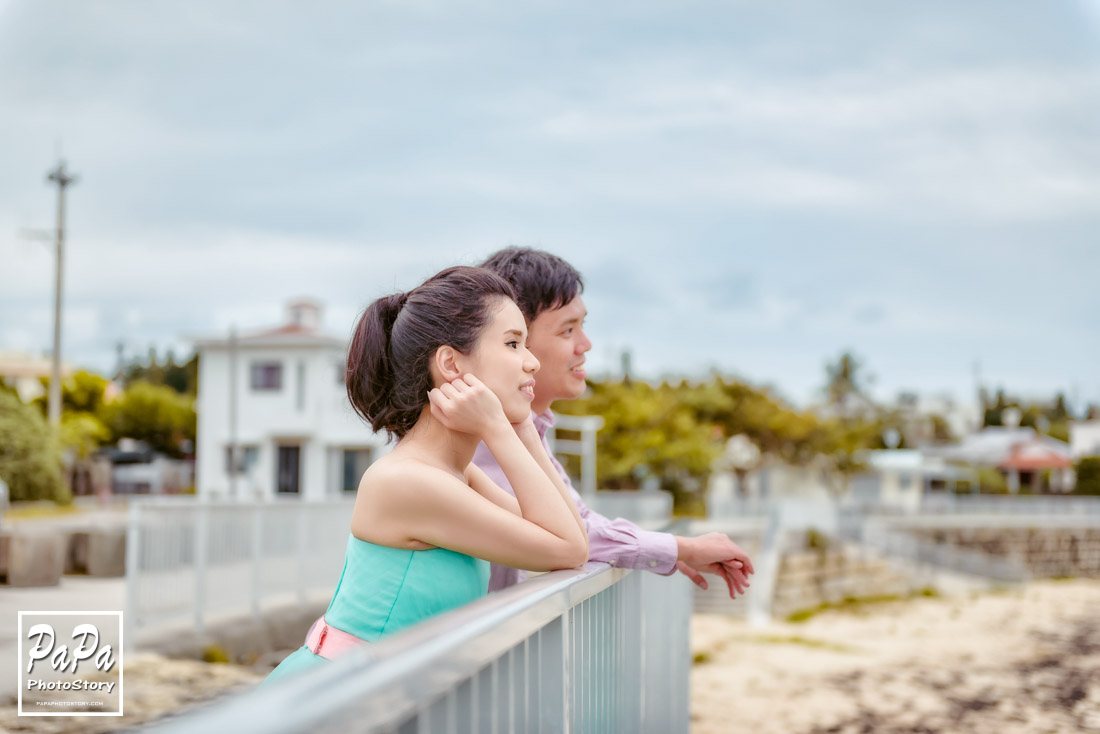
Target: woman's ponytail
column 370, row 373
column 389, row 360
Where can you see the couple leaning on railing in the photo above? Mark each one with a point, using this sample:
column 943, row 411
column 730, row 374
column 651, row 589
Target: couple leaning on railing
column 462, row 370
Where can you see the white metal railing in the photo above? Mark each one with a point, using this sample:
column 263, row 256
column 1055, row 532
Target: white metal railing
column 188, row 560
column 1010, row 505
column 585, row 448
column 597, row 649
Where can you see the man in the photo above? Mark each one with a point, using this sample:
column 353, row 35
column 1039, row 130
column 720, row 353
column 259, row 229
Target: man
column 549, row 293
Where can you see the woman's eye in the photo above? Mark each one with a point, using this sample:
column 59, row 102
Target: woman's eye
column 513, row 344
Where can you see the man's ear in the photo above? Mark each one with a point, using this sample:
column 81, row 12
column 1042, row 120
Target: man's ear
column 446, row 363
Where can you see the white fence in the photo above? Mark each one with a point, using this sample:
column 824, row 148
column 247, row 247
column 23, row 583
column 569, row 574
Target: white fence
column 188, row 561
column 597, row 649
column 1036, row 505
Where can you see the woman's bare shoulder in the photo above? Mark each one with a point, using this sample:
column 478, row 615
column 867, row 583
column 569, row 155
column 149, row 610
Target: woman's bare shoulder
column 402, row 475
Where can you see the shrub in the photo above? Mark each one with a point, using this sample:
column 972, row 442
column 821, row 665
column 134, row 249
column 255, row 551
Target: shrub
column 992, row 481
column 1088, row 475
column 30, row 458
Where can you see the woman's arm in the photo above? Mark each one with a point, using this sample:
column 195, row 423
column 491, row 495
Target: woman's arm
column 428, row 505
column 480, row 482
column 468, row 406
column 532, row 441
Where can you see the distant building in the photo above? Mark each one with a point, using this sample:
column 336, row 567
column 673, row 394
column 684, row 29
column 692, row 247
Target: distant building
column 137, row 469
column 296, row 432
column 919, row 413
column 24, row 372
column 1022, row 455
column 1084, row 438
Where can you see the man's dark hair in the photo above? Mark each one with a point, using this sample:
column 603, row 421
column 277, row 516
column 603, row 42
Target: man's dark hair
column 543, row 282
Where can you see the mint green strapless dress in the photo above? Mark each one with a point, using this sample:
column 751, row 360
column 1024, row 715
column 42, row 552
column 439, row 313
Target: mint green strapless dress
column 383, row 590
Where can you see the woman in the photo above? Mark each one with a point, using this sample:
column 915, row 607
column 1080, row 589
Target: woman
column 442, row 368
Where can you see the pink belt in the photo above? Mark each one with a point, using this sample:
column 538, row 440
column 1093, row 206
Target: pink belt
column 325, row 640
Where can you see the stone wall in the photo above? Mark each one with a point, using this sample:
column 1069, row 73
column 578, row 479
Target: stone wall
column 808, row 578
column 1045, row 552
column 815, row 570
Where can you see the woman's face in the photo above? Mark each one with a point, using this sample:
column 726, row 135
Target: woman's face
column 502, row 361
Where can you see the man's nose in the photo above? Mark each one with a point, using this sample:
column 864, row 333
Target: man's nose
column 583, row 344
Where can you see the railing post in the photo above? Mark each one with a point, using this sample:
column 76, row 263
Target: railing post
column 133, row 575
column 257, row 558
column 300, row 548
column 201, row 534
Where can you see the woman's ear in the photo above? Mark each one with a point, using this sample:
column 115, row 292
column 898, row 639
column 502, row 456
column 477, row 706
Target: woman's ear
column 446, row 363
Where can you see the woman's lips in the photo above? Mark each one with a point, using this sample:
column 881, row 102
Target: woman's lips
column 528, row 389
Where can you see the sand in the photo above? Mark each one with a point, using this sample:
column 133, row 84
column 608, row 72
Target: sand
column 1020, row 660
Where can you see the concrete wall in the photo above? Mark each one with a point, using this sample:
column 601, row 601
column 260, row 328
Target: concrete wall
column 1045, row 552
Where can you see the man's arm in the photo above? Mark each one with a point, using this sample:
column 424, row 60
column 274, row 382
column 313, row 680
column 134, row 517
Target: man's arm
column 622, row 543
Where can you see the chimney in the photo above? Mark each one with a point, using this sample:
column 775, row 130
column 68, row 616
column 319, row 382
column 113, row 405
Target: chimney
column 305, row 313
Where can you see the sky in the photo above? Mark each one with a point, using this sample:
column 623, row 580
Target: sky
column 748, row 187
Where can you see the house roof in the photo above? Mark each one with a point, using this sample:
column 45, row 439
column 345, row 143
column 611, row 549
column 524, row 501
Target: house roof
column 286, row 336
column 1033, row 456
column 302, row 328
column 1018, row 448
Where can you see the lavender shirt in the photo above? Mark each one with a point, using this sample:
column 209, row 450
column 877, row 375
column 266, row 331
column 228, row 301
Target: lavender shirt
column 618, row 542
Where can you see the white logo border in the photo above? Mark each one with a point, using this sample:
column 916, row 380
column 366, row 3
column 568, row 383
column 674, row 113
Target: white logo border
column 19, row 665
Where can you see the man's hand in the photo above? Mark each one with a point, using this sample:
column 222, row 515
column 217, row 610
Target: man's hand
column 716, row 554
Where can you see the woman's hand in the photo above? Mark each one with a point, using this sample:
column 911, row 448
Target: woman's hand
column 468, row 406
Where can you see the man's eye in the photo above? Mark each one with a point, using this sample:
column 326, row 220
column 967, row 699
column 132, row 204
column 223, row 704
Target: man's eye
column 568, row 332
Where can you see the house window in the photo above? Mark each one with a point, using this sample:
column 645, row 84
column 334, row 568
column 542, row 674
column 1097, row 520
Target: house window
column 356, row 462
column 246, row 459
column 267, row 376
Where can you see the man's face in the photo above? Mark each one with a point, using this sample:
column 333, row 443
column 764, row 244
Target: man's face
column 558, row 341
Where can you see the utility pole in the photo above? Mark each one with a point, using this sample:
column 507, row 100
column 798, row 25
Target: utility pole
column 60, row 177
column 233, row 412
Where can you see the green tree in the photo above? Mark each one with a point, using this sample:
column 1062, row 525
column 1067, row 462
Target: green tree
column 30, row 458
column 941, row 430
column 81, row 392
column 992, row 413
column 183, row 378
column 155, row 414
column 846, row 383
column 648, row 431
column 1088, row 475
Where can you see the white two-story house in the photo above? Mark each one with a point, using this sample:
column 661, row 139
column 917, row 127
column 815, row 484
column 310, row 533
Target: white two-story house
column 278, row 395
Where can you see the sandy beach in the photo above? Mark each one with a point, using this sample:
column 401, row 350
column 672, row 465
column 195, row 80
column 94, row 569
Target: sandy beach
column 1021, row 660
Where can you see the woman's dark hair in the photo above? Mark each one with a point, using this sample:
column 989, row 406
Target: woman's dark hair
column 543, row 282
column 388, row 375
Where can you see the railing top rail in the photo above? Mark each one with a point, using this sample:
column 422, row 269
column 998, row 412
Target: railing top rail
column 386, row 680
column 154, row 501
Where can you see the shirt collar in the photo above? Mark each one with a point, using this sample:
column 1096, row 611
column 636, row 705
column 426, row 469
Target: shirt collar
column 543, row 421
